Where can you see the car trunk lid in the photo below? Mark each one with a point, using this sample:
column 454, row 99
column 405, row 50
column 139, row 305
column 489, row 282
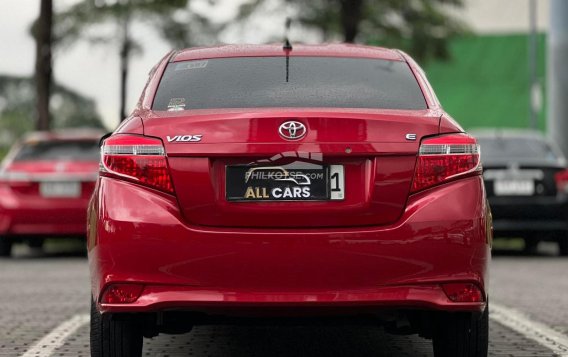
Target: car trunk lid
column 376, row 149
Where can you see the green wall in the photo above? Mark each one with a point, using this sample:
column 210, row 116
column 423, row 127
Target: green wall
column 486, row 82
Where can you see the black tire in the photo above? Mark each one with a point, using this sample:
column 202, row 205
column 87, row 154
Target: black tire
column 5, row 247
column 114, row 336
column 462, row 334
column 36, row 244
column 563, row 246
column 531, row 245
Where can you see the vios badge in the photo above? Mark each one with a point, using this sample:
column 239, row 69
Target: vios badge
column 184, row 138
column 292, row 130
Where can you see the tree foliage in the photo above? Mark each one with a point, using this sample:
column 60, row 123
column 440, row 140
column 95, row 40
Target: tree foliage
column 420, row 27
column 17, row 110
column 173, row 20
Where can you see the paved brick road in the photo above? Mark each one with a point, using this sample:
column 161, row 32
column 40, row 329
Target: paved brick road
column 40, row 291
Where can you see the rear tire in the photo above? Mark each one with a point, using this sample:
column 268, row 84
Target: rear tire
column 563, row 245
column 36, row 244
column 531, row 245
column 5, row 247
column 114, row 336
column 462, row 334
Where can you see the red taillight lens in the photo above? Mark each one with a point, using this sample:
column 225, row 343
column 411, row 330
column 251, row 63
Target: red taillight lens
column 445, row 157
column 121, row 293
column 561, row 179
column 18, row 182
column 137, row 158
column 463, row 292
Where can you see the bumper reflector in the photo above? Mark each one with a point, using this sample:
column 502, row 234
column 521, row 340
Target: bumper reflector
column 463, row 292
column 121, row 293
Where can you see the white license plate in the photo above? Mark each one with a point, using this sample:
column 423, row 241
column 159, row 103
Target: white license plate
column 337, row 182
column 60, row 189
column 513, row 187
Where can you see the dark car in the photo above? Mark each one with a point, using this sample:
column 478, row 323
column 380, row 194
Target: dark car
column 527, row 186
column 264, row 182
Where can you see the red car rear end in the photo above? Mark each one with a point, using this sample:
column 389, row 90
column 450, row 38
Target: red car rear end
column 45, row 184
column 264, row 182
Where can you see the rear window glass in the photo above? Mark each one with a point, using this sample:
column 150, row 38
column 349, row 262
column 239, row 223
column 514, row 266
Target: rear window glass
column 252, row 82
column 73, row 150
column 523, row 148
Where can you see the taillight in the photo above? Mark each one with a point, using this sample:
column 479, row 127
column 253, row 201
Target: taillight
column 463, row 292
column 121, row 293
column 561, row 179
column 19, row 182
column 444, row 158
column 136, row 158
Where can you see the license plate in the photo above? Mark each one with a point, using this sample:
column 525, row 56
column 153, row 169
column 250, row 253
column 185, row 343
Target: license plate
column 513, row 187
column 305, row 182
column 60, row 189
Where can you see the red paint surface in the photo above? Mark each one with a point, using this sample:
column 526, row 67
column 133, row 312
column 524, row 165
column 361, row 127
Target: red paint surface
column 326, row 50
column 140, row 236
column 24, row 211
column 381, row 246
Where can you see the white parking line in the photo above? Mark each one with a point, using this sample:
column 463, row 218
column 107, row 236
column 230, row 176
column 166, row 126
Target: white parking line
column 536, row 331
column 506, row 316
column 50, row 342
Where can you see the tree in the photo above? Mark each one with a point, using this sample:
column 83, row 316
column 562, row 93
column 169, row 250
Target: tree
column 17, row 95
column 420, row 27
column 41, row 30
column 173, row 19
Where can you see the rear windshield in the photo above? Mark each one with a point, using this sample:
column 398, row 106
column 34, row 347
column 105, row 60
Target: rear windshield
column 73, row 150
column 517, row 148
column 253, row 82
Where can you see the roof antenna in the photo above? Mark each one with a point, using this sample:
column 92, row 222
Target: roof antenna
column 287, row 47
column 287, row 44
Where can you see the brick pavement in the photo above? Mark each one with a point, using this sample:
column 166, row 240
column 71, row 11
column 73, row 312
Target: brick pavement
column 536, row 285
column 39, row 292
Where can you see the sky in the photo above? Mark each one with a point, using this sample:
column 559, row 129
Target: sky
column 93, row 70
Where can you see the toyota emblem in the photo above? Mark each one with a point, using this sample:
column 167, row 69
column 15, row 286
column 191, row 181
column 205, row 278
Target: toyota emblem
column 292, row 130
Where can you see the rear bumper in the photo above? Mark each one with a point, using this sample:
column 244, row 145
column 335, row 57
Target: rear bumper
column 528, row 226
column 41, row 217
column 138, row 236
column 171, row 297
column 514, row 216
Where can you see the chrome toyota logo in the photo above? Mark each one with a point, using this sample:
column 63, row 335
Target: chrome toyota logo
column 292, row 130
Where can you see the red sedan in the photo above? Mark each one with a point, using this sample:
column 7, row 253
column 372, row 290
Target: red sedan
column 46, row 181
column 307, row 183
